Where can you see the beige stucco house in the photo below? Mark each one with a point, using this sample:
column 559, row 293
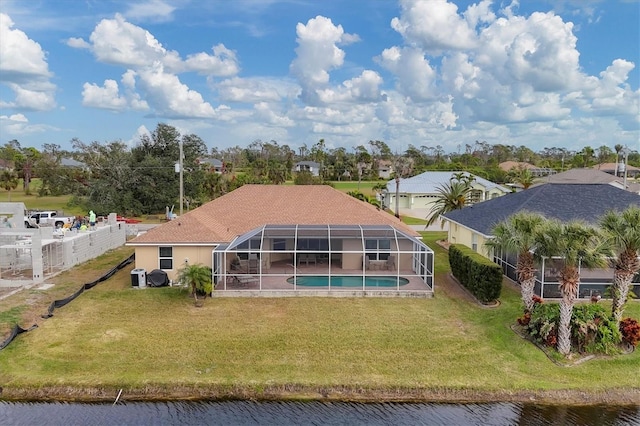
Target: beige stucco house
column 473, row 226
column 270, row 237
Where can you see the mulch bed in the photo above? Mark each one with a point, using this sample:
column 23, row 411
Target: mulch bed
column 574, row 358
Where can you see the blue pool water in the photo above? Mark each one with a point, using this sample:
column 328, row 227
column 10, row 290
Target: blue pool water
column 346, row 281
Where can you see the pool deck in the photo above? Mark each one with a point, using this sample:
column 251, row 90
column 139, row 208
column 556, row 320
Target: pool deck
column 273, row 283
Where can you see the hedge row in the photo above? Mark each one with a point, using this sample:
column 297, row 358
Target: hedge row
column 479, row 275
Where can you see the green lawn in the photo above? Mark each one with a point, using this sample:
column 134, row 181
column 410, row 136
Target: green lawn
column 33, row 201
column 413, row 220
column 115, row 337
column 365, row 186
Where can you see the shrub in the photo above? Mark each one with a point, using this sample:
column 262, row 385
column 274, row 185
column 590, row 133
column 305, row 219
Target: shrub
column 525, row 319
column 593, row 329
column 543, row 324
column 630, row 330
column 479, row 275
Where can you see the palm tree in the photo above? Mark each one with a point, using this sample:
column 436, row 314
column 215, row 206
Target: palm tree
column 517, row 235
column 197, row 278
column 623, row 233
column 451, row 196
column 523, row 176
column 396, row 177
column 8, row 181
column 580, row 246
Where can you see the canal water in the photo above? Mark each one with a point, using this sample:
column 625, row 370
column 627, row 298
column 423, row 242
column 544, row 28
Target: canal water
column 311, row 413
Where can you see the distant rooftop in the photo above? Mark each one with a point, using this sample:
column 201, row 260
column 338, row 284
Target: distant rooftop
column 564, row 202
column 429, row 182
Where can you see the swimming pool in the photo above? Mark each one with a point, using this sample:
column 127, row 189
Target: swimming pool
column 346, row 281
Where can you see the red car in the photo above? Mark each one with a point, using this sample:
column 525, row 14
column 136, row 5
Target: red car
column 127, row 220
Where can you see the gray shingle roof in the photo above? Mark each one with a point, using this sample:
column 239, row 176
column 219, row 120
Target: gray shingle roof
column 565, row 202
column 577, row 176
column 70, row 162
column 429, row 182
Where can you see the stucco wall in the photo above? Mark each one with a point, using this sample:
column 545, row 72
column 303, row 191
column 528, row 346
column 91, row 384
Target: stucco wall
column 459, row 234
column 147, row 258
column 352, row 260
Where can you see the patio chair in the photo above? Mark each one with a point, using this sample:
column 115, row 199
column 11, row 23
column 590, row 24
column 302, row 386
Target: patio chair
column 311, row 258
column 252, row 267
column 391, row 262
column 243, row 280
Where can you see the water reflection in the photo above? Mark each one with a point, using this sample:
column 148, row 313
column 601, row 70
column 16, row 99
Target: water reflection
column 311, row 413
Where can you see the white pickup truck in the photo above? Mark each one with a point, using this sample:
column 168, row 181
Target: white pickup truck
column 51, row 218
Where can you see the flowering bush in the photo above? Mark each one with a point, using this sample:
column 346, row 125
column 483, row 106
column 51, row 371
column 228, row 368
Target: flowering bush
column 592, row 328
column 542, row 327
column 630, row 329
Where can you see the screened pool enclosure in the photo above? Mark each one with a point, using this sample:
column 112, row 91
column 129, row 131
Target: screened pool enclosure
column 361, row 259
column 593, row 282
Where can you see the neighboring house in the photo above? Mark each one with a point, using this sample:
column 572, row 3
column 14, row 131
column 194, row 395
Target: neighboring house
column 70, row 162
column 536, row 171
column 6, row 164
column 617, row 169
column 213, row 164
column 472, row 226
column 421, row 191
column 268, row 237
column 307, row 166
column 385, row 169
column 584, row 176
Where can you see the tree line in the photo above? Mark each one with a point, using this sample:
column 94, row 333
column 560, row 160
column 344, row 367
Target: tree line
column 142, row 179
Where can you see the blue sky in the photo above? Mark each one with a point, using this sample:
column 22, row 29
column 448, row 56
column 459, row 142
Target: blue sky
column 433, row 72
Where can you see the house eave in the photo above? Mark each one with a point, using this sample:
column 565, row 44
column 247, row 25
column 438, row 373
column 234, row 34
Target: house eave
column 175, row 244
column 467, row 227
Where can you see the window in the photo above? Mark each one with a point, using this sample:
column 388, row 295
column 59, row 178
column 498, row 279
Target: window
column 474, row 242
column 475, row 196
column 165, row 255
column 279, row 244
column 376, row 249
column 313, row 244
column 250, row 246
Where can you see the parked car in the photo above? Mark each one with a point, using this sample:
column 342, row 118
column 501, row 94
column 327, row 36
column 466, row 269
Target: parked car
column 51, row 218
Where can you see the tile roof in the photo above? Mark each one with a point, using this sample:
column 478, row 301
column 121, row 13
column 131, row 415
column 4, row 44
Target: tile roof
column 429, row 182
column 579, row 176
column 210, row 161
column 508, row 165
column 613, row 167
column 252, row 206
column 565, row 202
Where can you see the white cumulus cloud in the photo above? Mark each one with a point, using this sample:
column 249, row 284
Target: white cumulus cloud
column 24, row 68
column 317, row 53
column 170, row 97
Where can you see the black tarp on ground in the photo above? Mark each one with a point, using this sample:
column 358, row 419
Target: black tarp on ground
column 14, row 333
column 157, row 278
column 60, row 303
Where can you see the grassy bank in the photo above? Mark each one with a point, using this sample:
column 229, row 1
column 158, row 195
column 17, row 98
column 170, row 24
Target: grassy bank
column 154, row 344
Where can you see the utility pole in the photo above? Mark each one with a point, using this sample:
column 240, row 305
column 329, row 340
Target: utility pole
column 180, row 163
column 625, row 150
